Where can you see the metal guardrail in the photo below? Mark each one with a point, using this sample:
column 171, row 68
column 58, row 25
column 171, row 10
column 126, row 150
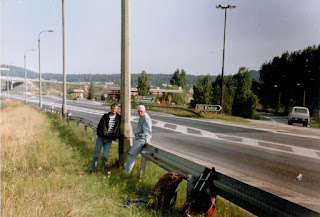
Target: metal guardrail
column 52, row 109
column 86, row 123
column 250, row 198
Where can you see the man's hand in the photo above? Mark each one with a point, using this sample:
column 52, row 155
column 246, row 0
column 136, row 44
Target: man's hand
column 145, row 145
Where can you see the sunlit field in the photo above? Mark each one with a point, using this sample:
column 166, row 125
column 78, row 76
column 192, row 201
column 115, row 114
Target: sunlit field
column 44, row 171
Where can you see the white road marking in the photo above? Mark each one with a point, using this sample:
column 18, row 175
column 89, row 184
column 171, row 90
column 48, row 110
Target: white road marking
column 305, row 152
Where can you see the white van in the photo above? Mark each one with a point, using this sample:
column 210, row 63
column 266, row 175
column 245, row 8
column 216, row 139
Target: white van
column 299, row 115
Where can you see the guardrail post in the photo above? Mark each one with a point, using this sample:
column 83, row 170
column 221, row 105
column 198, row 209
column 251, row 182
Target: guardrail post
column 85, row 130
column 191, row 181
column 93, row 135
column 77, row 125
column 143, row 166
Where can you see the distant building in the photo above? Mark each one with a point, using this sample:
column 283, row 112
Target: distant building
column 76, row 93
column 158, row 94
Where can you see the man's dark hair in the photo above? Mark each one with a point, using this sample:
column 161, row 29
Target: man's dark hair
column 114, row 104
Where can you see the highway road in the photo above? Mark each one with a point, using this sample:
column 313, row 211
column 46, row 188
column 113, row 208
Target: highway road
column 266, row 158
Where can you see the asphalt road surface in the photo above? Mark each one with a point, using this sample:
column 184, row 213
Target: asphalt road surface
column 282, row 162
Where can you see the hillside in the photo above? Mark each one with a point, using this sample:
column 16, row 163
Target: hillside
column 156, row 80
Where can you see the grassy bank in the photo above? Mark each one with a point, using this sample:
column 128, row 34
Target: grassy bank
column 206, row 115
column 315, row 123
column 44, row 171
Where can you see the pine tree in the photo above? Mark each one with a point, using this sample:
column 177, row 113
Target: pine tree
column 91, row 91
column 179, row 79
column 245, row 101
column 143, row 84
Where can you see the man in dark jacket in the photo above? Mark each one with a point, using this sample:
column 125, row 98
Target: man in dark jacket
column 108, row 131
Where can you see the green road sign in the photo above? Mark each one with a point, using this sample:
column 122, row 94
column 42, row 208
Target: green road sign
column 204, row 107
column 144, row 99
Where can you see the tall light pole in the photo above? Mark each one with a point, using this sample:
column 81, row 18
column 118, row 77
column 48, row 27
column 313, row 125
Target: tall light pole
column 25, row 73
column 64, row 105
column 40, row 83
column 224, row 42
column 125, row 127
column 304, row 96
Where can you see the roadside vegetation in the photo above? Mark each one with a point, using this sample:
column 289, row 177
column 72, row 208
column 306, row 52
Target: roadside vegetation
column 205, row 115
column 315, row 123
column 44, row 171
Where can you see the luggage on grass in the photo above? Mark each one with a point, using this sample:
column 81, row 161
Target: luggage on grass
column 203, row 197
column 164, row 193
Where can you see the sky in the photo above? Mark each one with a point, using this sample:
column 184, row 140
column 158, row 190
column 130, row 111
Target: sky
column 165, row 35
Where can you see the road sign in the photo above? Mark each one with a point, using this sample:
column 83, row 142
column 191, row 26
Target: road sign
column 204, row 107
column 144, row 99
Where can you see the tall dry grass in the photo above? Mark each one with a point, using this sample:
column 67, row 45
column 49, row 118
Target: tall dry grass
column 20, row 125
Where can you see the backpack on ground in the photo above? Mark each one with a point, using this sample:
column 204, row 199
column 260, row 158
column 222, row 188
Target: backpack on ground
column 164, row 193
column 203, row 197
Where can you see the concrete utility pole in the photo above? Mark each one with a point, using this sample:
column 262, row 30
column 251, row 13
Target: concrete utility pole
column 64, row 105
column 40, row 83
column 125, row 127
column 224, row 42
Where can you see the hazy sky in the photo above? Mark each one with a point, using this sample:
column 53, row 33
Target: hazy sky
column 165, row 34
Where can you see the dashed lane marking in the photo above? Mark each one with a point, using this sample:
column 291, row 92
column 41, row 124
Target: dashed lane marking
column 289, row 149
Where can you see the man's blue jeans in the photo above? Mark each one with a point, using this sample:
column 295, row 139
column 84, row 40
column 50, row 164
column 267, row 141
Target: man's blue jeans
column 106, row 144
column 132, row 155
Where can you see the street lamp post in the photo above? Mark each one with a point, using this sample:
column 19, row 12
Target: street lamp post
column 25, row 73
column 303, row 97
column 224, row 41
column 279, row 99
column 64, row 105
column 40, row 84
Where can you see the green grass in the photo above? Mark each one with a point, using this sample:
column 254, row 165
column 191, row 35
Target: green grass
column 51, row 177
column 315, row 123
column 258, row 117
column 225, row 117
column 206, row 115
column 181, row 113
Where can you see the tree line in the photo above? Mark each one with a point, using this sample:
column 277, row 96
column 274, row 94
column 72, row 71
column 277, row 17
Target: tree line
column 293, row 79
column 239, row 99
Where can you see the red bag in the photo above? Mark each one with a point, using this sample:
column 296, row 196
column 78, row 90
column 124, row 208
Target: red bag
column 202, row 198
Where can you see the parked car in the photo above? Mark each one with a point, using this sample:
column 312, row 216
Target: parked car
column 299, row 115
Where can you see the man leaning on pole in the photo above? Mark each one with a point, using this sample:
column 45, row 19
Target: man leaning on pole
column 142, row 137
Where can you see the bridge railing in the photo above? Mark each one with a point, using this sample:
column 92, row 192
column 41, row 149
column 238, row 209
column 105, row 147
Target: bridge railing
column 250, row 198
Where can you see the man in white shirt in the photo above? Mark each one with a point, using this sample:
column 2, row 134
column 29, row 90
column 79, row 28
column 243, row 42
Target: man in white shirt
column 142, row 137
